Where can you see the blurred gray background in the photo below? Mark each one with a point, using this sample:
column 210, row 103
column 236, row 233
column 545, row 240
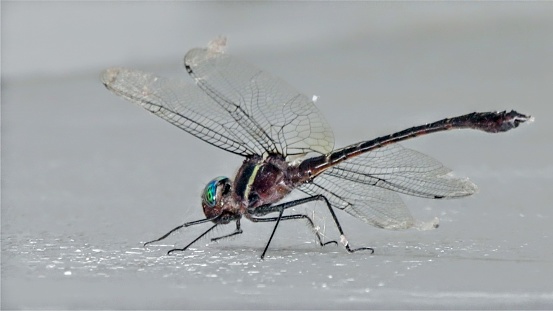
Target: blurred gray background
column 88, row 177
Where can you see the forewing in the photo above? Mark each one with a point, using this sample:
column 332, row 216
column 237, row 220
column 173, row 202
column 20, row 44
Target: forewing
column 276, row 117
column 183, row 105
column 376, row 206
column 403, row 170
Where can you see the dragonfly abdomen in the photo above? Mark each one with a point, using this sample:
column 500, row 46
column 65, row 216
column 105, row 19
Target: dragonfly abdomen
column 491, row 122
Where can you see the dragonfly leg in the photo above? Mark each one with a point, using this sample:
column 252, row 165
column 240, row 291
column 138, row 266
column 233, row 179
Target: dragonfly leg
column 343, row 239
column 266, row 209
column 236, row 232
column 297, row 216
column 164, row 236
column 281, row 210
column 196, row 240
column 188, row 224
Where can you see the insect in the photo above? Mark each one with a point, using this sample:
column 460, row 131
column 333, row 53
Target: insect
column 287, row 145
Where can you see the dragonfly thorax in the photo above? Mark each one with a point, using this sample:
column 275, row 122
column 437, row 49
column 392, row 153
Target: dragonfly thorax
column 214, row 198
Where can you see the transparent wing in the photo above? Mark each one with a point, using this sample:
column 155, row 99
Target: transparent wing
column 271, row 115
column 365, row 186
column 183, row 105
column 403, row 170
column 376, row 206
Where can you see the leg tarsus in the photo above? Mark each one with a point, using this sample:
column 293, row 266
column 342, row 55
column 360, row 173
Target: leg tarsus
column 187, row 246
column 345, row 242
column 342, row 236
column 329, row 242
column 164, row 236
column 360, row 249
column 188, row 224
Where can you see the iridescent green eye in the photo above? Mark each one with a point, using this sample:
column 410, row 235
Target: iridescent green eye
column 210, row 192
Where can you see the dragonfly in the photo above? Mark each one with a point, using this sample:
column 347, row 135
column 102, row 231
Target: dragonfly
column 288, row 145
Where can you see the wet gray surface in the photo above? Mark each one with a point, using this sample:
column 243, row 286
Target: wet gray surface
column 87, row 177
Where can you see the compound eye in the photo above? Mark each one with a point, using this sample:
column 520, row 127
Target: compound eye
column 209, row 196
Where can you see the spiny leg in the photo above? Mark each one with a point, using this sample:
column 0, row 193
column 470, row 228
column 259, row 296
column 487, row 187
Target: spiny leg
column 281, row 210
column 296, row 216
column 187, row 246
column 266, row 209
column 164, row 236
column 343, row 239
column 236, row 232
column 188, row 224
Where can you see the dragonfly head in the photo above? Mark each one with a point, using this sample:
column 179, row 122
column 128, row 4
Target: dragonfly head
column 214, row 196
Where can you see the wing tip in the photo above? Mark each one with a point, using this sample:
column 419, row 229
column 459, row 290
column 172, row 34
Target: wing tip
column 469, row 188
column 109, row 76
column 427, row 225
column 195, row 56
column 463, row 187
column 217, row 45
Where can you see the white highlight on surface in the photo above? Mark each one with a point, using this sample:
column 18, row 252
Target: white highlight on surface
column 314, row 98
